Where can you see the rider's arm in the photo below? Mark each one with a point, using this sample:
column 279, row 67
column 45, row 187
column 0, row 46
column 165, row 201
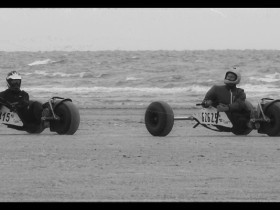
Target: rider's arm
column 239, row 102
column 210, row 97
column 3, row 98
column 24, row 102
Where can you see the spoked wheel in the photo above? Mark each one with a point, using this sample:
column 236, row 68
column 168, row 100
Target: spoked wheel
column 159, row 118
column 273, row 127
column 69, row 118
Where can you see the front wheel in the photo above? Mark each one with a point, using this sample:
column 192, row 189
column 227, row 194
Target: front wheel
column 238, row 132
column 35, row 128
column 69, row 118
column 273, row 127
column 243, row 119
column 33, row 123
column 159, row 118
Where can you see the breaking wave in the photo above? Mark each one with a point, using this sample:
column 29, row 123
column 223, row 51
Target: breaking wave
column 44, row 62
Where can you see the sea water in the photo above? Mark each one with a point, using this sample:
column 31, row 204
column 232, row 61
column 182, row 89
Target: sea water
column 133, row 79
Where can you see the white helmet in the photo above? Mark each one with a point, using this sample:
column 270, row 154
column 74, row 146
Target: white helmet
column 236, row 80
column 13, row 80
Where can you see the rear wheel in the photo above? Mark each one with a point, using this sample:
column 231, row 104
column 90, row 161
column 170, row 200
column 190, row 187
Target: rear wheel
column 273, row 127
column 69, row 118
column 159, row 118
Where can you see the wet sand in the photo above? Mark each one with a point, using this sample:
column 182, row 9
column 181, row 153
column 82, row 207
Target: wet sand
column 112, row 157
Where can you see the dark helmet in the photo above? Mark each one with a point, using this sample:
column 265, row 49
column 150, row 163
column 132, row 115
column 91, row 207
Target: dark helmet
column 13, row 80
column 236, row 80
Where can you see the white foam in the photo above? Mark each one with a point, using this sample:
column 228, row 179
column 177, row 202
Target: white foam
column 132, row 78
column 252, row 91
column 118, row 89
column 44, row 62
column 61, row 74
column 268, row 78
column 41, row 62
column 268, row 88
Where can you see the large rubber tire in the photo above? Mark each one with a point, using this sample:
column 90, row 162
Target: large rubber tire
column 242, row 132
column 272, row 128
column 34, row 125
column 69, row 118
column 36, row 129
column 247, row 130
column 159, row 118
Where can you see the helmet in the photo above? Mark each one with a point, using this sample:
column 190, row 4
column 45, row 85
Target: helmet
column 234, row 81
column 13, row 80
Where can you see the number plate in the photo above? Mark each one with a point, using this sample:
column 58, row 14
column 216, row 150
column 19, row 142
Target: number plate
column 210, row 116
column 8, row 117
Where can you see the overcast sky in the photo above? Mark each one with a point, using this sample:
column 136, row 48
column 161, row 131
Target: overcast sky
column 45, row 29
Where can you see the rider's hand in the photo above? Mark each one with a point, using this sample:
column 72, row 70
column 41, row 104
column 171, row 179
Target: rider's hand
column 13, row 108
column 222, row 108
column 206, row 103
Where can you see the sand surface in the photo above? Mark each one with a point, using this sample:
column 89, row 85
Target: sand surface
column 112, row 157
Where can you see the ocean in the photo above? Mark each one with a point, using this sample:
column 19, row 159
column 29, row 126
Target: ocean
column 133, row 79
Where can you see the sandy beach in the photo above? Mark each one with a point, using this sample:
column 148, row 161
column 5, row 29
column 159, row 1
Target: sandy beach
column 112, row 157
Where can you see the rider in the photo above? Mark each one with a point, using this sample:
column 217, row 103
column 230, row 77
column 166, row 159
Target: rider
column 231, row 100
column 18, row 100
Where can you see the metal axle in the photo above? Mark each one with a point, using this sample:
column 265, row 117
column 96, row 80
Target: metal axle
column 184, row 118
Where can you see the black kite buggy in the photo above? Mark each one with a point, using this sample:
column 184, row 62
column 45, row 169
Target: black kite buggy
column 64, row 117
column 159, row 118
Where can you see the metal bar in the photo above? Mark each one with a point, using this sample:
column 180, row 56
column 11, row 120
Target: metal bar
column 265, row 118
column 51, row 118
column 54, row 116
column 183, row 118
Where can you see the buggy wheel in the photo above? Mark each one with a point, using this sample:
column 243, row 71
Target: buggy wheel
column 69, row 118
column 241, row 132
column 246, row 130
column 159, row 118
column 35, row 128
column 34, row 124
column 273, row 127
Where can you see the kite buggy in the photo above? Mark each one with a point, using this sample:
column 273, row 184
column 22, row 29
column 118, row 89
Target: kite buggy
column 159, row 118
column 63, row 117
